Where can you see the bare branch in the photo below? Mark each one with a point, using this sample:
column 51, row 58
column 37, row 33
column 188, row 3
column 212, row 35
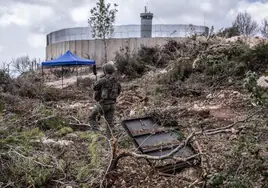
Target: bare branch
column 167, row 156
column 19, row 154
column 227, row 128
column 43, row 119
column 245, row 24
column 80, row 127
column 264, row 28
column 24, row 64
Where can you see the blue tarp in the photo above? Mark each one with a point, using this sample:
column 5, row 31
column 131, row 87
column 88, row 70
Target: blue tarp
column 68, row 59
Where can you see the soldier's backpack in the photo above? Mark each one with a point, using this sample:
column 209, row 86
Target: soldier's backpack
column 109, row 91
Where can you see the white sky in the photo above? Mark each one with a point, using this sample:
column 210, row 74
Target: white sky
column 25, row 23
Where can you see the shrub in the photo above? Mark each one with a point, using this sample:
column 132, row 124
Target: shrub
column 84, row 82
column 259, row 95
column 6, row 83
column 136, row 64
column 256, row 59
column 216, row 63
column 59, row 72
column 64, row 131
column 246, row 159
column 221, row 63
column 181, row 70
column 128, row 64
column 229, row 32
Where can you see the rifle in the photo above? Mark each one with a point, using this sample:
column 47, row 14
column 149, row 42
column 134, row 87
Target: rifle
column 95, row 71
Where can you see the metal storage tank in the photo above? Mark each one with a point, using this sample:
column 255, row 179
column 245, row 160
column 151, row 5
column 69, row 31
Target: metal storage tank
column 79, row 39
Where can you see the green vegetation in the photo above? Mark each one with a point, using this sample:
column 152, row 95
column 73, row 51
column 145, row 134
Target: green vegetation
column 64, row 131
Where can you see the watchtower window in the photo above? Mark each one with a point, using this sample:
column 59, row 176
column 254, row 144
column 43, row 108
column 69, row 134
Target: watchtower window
column 147, row 17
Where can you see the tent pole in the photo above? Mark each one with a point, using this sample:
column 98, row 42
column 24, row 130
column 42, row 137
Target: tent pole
column 42, row 75
column 61, row 77
column 76, row 75
column 42, row 79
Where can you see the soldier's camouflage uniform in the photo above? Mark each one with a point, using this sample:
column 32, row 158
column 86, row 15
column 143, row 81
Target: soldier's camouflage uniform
column 107, row 89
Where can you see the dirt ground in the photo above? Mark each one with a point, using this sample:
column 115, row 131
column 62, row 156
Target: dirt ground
column 46, row 139
column 212, row 110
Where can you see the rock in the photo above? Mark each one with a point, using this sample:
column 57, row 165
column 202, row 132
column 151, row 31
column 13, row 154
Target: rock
column 223, row 113
column 123, row 182
column 221, row 96
column 209, row 96
column 190, row 173
column 264, row 154
column 203, row 107
column 64, row 142
column 236, row 93
column 71, row 135
column 263, row 81
column 163, row 71
column 132, row 113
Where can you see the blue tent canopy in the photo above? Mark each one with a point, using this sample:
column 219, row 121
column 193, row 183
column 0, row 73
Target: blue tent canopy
column 68, row 59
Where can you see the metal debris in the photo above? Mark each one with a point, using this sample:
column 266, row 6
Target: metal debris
column 152, row 139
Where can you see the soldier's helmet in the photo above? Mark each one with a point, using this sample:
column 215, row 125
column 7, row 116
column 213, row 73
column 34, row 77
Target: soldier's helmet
column 108, row 68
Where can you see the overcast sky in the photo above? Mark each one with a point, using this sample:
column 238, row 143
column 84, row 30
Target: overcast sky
column 25, row 23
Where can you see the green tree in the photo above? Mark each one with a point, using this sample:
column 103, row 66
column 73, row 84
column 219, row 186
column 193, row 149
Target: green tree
column 245, row 24
column 102, row 21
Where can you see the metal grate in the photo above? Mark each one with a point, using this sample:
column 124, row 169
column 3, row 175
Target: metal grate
column 152, row 139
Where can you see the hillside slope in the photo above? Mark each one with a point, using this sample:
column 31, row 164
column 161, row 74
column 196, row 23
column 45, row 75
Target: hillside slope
column 209, row 87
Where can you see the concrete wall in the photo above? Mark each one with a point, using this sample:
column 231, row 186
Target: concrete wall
column 128, row 31
column 95, row 48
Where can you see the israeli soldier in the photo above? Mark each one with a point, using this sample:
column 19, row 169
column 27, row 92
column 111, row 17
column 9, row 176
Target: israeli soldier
column 107, row 89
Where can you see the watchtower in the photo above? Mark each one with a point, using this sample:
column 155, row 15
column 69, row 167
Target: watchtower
column 146, row 24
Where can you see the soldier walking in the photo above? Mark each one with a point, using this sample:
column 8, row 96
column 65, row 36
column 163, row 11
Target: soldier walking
column 107, row 89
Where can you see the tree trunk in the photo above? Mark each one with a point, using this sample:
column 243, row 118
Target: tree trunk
column 8, row 70
column 105, row 50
